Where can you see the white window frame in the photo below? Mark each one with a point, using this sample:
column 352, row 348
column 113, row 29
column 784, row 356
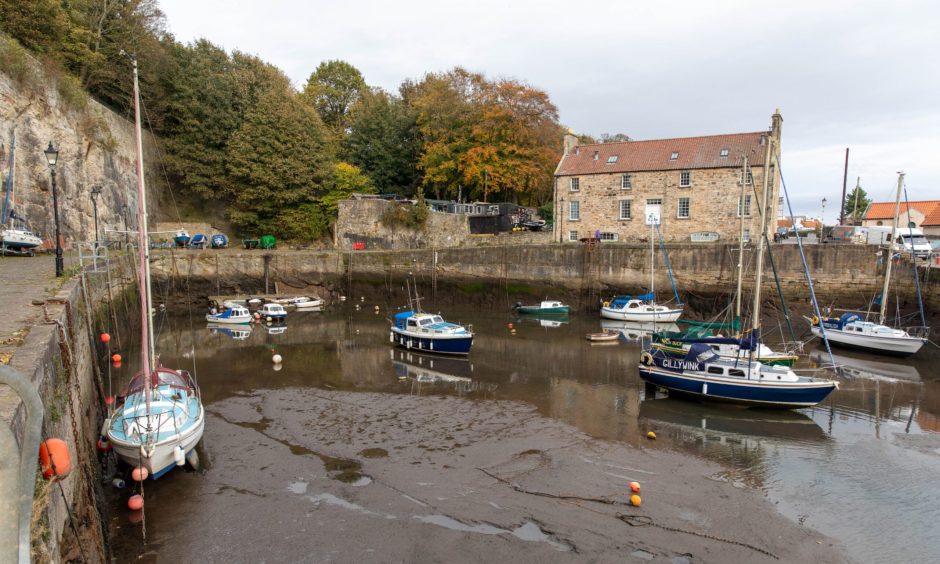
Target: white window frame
column 654, row 201
column 746, row 204
column 724, row 153
column 629, row 210
column 574, row 210
column 612, row 159
column 685, row 179
column 688, row 208
column 609, row 236
column 572, row 235
column 626, row 182
column 574, row 184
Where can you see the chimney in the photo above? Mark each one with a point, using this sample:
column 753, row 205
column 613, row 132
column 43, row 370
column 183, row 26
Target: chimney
column 595, row 154
column 571, row 142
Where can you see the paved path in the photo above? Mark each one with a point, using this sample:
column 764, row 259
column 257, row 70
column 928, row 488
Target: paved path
column 22, row 280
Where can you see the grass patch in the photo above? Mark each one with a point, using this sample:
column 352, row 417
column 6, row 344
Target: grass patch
column 471, row 287
column 516, row 288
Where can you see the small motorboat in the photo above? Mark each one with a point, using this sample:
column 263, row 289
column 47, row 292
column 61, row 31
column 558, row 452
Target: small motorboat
column 273, row 312
column 218, row 241
column 545, row 307
column 639, row 308
column 606, row 336
column 182, row 237
column 300, row 302
column 198, row 241
column 429, row 333
column 237, row 314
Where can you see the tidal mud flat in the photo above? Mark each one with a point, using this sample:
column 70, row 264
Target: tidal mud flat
column 312, row 475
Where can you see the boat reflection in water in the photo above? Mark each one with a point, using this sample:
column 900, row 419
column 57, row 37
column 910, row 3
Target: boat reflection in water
column 236, row 332
column 744, row 440
column 433, row 373
column 848, row 366
column 545, row 319
column 635, row 330
column 275, row 328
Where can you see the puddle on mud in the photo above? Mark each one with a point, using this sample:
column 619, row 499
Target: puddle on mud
column 528, row 531
column 373, row 453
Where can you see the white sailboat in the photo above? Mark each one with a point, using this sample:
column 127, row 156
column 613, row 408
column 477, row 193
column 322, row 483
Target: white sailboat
column 15, row 234
column 851, row 331
column 158, row 419
column 643, row 308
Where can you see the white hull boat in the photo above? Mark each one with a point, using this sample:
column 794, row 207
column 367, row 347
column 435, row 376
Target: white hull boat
column 869, row 336
column 640, row 311
column 19, row 239
column 234, row 315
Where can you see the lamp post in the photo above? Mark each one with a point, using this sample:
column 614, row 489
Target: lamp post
column 95, row 192
column 51, row 157
column 822, row 217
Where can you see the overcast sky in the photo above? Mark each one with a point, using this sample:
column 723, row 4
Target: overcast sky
column 863, row 75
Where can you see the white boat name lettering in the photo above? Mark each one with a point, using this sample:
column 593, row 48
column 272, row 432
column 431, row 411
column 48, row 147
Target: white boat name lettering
column 680, row 364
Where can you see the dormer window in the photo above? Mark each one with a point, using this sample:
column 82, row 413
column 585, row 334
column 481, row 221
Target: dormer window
column 674, row 155
column 612, row 159
column 596, row 153
column 724, row 153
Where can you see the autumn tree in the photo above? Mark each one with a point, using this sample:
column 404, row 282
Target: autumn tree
column 332, row 89
column 383, row 141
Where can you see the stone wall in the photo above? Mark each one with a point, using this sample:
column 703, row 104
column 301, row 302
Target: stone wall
column 96, row 148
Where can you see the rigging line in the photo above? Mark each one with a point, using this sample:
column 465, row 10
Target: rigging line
column 799, row 243
column 166, row 176
column 920, row 298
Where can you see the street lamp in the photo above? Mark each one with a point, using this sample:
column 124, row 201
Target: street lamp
column 95, row 192
column 822, row 218
column 51, row 157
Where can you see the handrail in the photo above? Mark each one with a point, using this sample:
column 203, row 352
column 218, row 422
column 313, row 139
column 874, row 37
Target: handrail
column 27, row 466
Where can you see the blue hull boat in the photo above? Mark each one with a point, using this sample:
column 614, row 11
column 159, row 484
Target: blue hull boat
column 704, row 375
column 219, row 241
column 430, row 333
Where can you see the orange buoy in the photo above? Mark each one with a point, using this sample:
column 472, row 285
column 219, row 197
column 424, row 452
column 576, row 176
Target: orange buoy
column 116, row 357
column 54, row 458
column 108, row 400
column 509, row 325
column 635, row 500
column 116, row 364
column 105, row 338
column 139, row 474
column 635, row 487
column 136, row 502
column 651, row 436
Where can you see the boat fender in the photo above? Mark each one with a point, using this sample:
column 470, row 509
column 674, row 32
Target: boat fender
column 179, row 456
column 391, row 337
column 814, row 320
column 646, row 358
column 606, row 304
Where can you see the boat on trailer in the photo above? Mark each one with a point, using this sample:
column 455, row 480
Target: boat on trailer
column 16, row 238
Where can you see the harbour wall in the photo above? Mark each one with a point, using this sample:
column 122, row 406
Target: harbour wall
column 61, row 354
column 848, row 275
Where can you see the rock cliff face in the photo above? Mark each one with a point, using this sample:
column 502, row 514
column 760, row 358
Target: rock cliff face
column 96, row 148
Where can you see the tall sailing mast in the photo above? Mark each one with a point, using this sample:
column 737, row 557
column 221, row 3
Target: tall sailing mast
column 737, row 307
column 768, row 155
column 889, row 260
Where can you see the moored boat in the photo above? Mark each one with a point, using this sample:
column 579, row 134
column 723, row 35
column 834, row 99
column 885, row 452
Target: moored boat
column 429, row 333
column 850, row 331
column 273, row 312
column 545, row 307
column 608, row 335
column 237, row 314
column 642, row 309
column 678, row 343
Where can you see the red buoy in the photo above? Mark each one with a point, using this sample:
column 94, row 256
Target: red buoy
column 139, row 474
column 108, row 400
column 105, row 338
column 104, row 445
column 54, row 458
column 117, row 364
column 635, row 487
column 135, row 502
column 116, row 357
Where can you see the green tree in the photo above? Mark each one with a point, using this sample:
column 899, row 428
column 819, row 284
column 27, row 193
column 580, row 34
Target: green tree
column 39, row 25
column 277, row 163
column 332, row 89
column 383, row 141
column 856, row 202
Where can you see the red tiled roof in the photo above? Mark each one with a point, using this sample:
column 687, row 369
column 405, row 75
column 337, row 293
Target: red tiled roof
column 885, row 210
column 693, row 153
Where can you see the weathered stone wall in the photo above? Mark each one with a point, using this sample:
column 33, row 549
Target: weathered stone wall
column 713, row 204
column 96, row 148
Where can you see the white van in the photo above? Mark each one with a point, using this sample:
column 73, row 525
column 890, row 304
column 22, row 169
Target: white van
column 909, row 239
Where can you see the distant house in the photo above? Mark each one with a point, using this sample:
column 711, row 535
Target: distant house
column 483, row 217
column 923, row 215
column 696, row 182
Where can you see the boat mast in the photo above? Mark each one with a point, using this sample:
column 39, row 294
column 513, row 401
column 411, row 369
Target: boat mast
column 768, row 155
column 737, row 307
column 143, row 250
column 894, row 233
column 7, row 203
column 652, row 267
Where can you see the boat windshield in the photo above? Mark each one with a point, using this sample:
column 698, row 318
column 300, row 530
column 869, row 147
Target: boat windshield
column 438, row 319
column 162, row 377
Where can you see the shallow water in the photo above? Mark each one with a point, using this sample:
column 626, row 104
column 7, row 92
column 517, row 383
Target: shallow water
column 865, row 460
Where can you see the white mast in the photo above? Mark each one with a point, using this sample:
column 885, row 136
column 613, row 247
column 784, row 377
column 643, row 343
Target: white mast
column 894, row 233
column 652, row 266
column 737, row 309
column 143, row 251
column 755, row 322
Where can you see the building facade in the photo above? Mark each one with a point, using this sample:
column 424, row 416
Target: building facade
column 920, row 214
column 695, row 183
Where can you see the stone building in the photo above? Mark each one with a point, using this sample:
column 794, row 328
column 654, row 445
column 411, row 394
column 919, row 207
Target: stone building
column 920, row 214
column 609, row 188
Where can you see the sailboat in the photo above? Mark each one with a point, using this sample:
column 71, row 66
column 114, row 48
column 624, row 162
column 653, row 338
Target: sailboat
column 851, row 331
column 158, row 418
column 679, row 343
column 704, row 374
column 15, row 234
column 643, row 308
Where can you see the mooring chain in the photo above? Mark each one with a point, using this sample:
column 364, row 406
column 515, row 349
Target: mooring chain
column 647, row 521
